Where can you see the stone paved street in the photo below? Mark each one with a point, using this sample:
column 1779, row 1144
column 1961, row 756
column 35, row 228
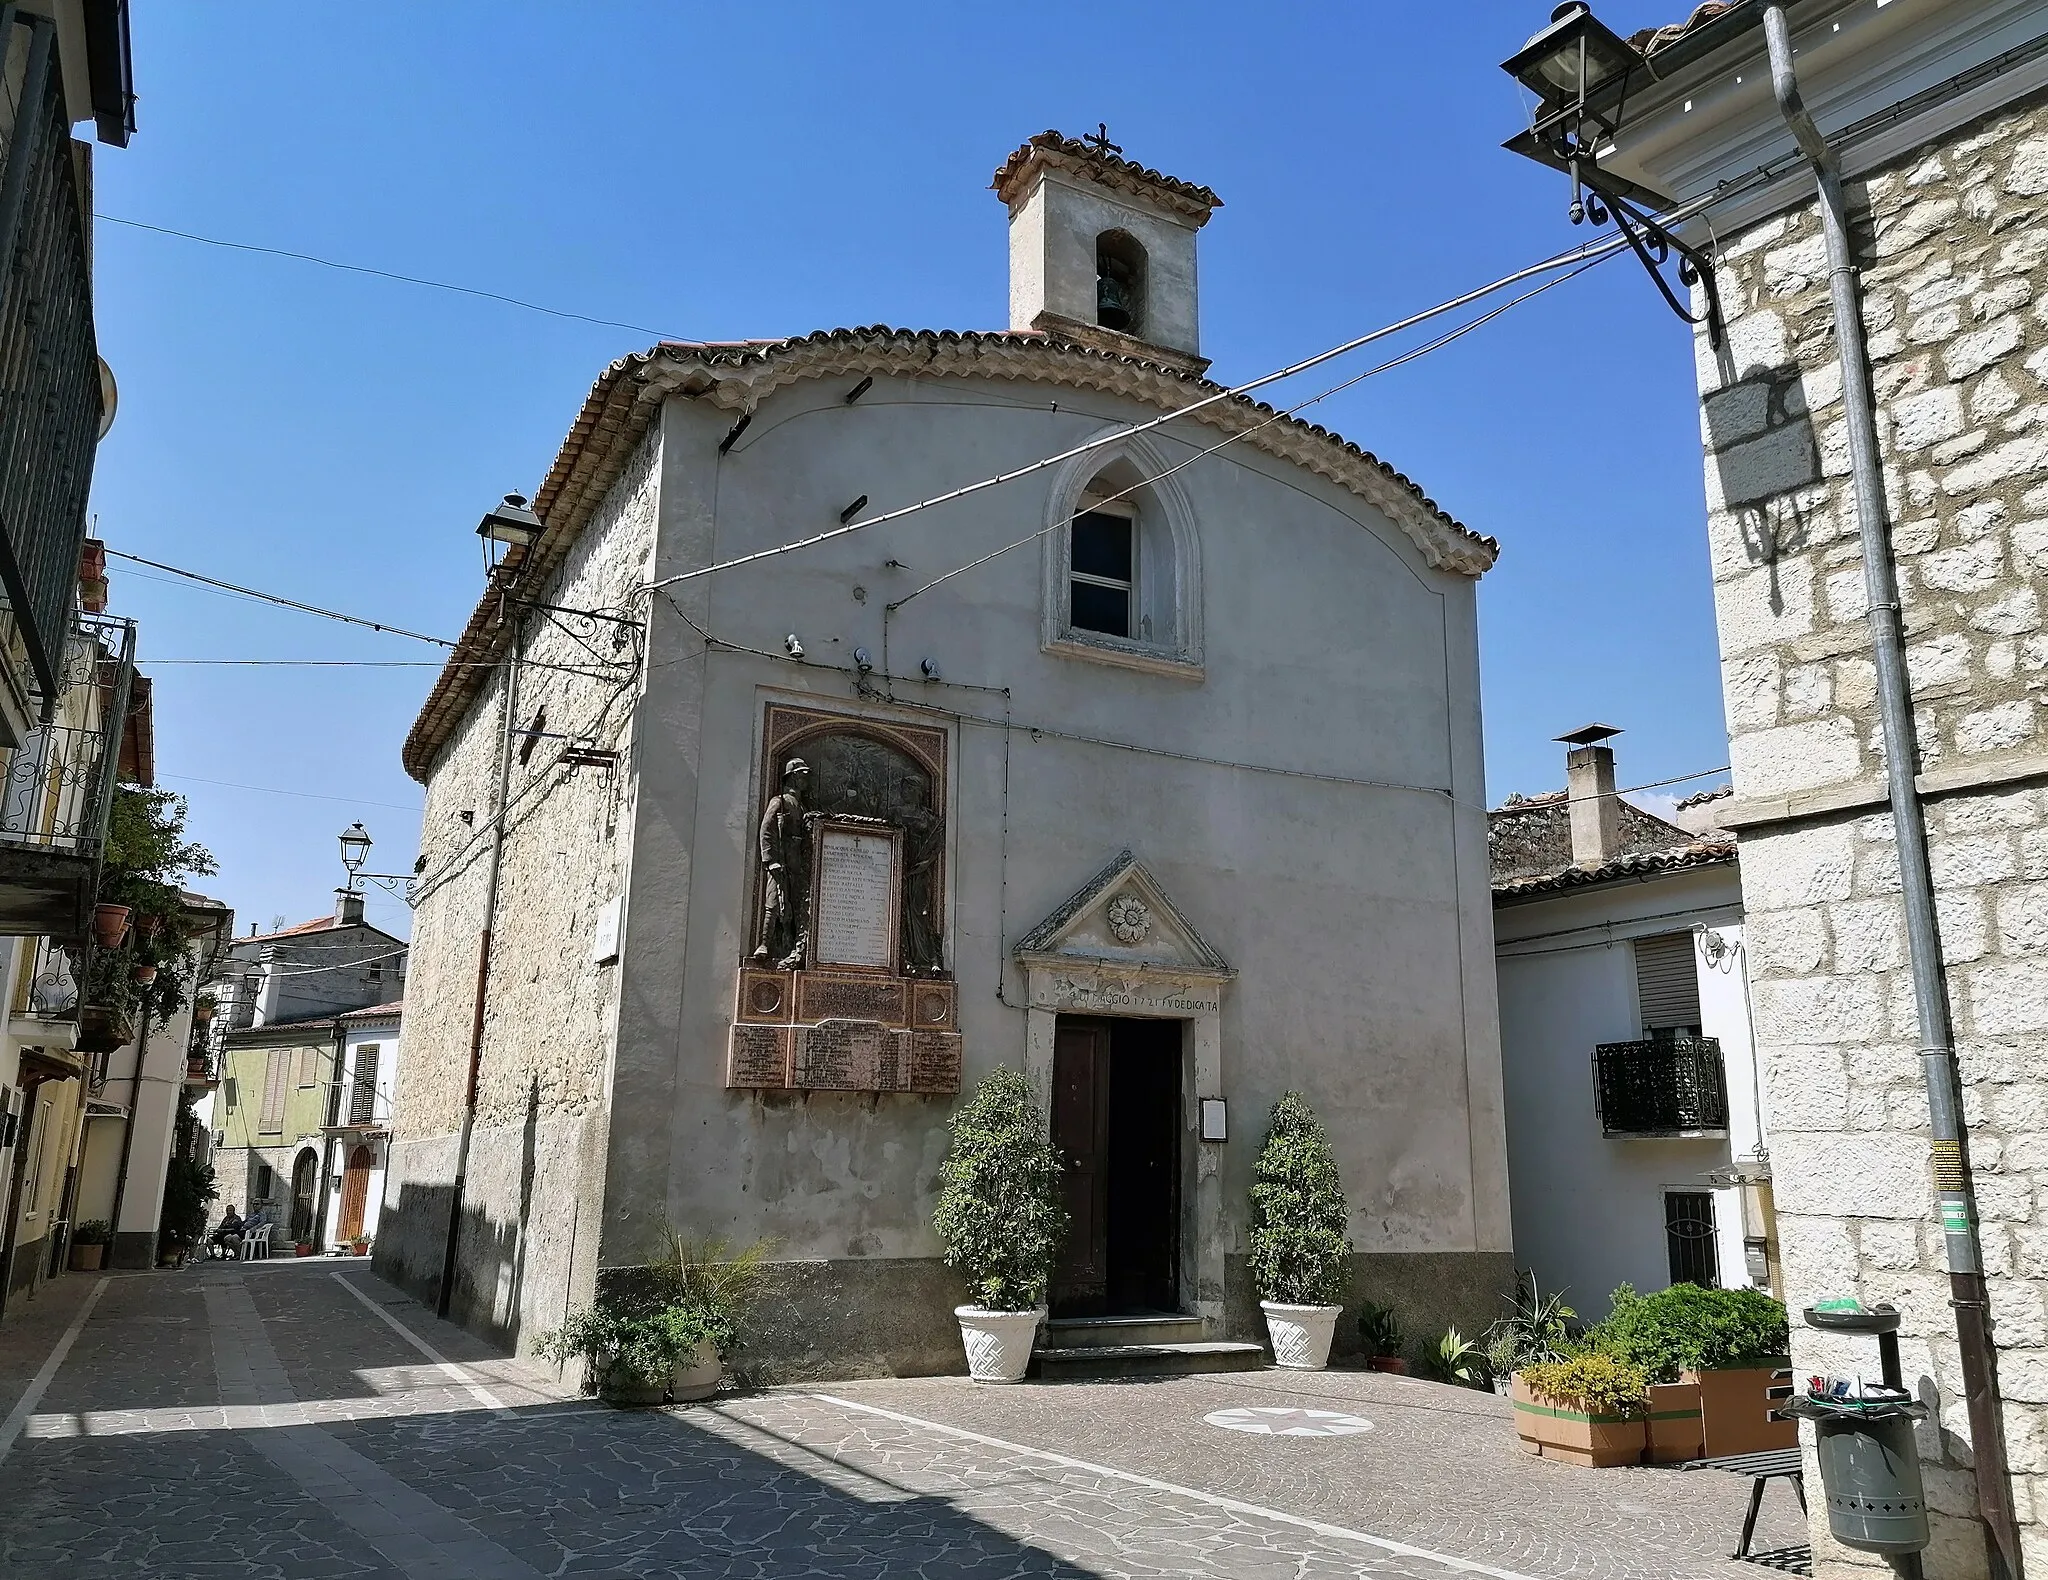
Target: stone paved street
column 301, row 1419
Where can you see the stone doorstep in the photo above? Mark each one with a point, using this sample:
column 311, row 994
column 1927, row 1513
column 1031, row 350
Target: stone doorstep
column 1087, row 1333
column 1145, row 1360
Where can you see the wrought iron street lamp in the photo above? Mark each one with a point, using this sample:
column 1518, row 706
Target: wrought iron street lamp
column 511, row 522
column 1580, row 71
column 355, row 847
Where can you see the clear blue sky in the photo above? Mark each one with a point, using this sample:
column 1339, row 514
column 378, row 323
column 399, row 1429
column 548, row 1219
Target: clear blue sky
column 718, row 172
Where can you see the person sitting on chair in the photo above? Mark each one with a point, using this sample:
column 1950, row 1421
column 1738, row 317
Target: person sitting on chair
column 228, row 1236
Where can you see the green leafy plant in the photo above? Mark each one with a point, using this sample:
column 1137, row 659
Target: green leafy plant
column 146, row 857
column 1379, row 1331
column 1596, row 1383
column 1687, row 1328
column 94, row 1231
column 1299, row 1253
column 188, row 1187
column 1535, row 1328
column 709, row 1278
column 1000, row 1214
column 1457, row 1359
column 626, row 1341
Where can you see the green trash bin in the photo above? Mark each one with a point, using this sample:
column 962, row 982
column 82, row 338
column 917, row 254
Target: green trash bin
column 1870, row 1470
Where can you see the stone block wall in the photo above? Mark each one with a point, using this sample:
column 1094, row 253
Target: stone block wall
column 1953, row 243
column 536, row 1153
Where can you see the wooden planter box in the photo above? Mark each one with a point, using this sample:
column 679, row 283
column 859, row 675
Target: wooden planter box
column 1555, row 1430
column 1735, row 1410
column 1676, row 1432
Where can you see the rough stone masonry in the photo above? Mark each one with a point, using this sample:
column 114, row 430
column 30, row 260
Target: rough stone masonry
column 1954, row 246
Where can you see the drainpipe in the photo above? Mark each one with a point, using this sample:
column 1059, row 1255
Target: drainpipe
column 483, row 973
column 1955, row 1197
column 128, row 1131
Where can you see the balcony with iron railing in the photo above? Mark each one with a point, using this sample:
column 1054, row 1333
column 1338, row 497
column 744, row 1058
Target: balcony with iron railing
column 57, row 788
column 1662, row 1086
column 51, row 396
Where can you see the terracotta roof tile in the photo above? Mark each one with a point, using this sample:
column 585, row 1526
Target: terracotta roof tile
column 1100, row 164
column 377, row 1011
column 1651, row 39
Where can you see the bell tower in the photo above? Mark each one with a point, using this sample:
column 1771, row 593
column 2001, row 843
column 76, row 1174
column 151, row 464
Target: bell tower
column 1102, row 250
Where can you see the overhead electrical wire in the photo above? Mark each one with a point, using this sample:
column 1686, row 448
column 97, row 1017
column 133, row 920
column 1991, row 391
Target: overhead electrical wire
column 288, row 603
column 386, row 274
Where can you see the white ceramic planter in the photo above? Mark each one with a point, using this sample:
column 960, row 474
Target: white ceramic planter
column 1301, row 1334
column 998, row 1342
column 697, row 1376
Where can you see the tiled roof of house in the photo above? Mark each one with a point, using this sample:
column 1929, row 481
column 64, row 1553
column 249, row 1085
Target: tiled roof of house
column 1106, row 165
column 319, row 924
column 1651, row 39
column 391, row 1011
column 1529, row 841
column 737, row 375
column 1718, row 793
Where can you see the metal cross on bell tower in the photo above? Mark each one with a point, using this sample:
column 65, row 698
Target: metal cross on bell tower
column 1099, row 139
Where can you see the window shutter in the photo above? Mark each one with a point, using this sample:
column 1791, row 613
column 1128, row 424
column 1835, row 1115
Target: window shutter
column 274, row 1074
column 309, row 1067
column 362, row 1102
column 1667, row 987
column 233, row 1089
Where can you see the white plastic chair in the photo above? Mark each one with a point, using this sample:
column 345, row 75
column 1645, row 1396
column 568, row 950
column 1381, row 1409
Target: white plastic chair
column 256, row 1244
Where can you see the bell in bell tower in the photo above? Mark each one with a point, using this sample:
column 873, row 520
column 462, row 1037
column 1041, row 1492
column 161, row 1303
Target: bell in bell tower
column 1102, row 250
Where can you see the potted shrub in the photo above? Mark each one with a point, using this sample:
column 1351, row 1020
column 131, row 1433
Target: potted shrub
column 718, row 1283
column 1298, row 1249
column 360, row 1245
column 1709, row 1352
column 89, row 1242
column 303, row 1248
column 203, row 1008
column 629, row 1348
column 1380, row 1339
column 1001, row 1218
column 1589, row 1410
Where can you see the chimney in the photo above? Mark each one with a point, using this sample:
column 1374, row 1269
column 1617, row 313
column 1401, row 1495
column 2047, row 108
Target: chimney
column 348, row 903
column 1589, row 782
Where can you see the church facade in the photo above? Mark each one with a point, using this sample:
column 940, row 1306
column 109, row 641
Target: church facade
column 1169, row 794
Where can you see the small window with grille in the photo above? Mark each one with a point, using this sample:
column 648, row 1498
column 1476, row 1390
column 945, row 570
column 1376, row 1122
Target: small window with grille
column 1689, row 1238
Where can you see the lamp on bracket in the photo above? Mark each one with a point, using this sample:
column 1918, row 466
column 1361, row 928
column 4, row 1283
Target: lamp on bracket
column 1580, row 71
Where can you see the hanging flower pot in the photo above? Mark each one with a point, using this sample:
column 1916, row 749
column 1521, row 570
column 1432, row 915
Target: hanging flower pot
column 148, row 925
column 144, row 974
column 202, row 1012
column 109, row 925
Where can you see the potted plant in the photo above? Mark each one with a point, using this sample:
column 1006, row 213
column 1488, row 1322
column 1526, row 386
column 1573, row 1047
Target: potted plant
column 360, row 1245
column 629, row 1347
column 1456, row 1359
column 143, row 972
column 1589, row 1410
column 1001, row 1218
column 717, row 1282
column 1536, row 1327
column 203, row 1008
column 303, row 1248
column 1380, row 1339
column 89, row 1242
column 1710, row 1354
column 1299, row 1252
column 109, row 924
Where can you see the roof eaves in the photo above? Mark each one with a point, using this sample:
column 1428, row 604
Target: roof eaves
column 1644, row 865
column 624, row 402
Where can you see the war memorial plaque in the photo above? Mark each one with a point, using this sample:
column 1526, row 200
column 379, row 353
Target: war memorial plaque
column 934, row 1061
column 851, row 996
column 857, row 898
column 759, row 1057
column 849, row 1056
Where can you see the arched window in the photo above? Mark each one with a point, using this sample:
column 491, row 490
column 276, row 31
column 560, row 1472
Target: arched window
column 1123, row 576
column 1120, row 282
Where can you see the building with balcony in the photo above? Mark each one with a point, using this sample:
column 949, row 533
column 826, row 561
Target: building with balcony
column 1636, row 1143
column 61, row 63
column 300, row 1058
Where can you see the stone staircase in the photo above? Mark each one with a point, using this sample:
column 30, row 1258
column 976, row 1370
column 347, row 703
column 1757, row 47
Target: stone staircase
column 1149, row 1346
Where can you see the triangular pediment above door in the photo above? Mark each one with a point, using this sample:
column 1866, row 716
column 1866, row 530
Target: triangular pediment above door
column 1121, row 916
